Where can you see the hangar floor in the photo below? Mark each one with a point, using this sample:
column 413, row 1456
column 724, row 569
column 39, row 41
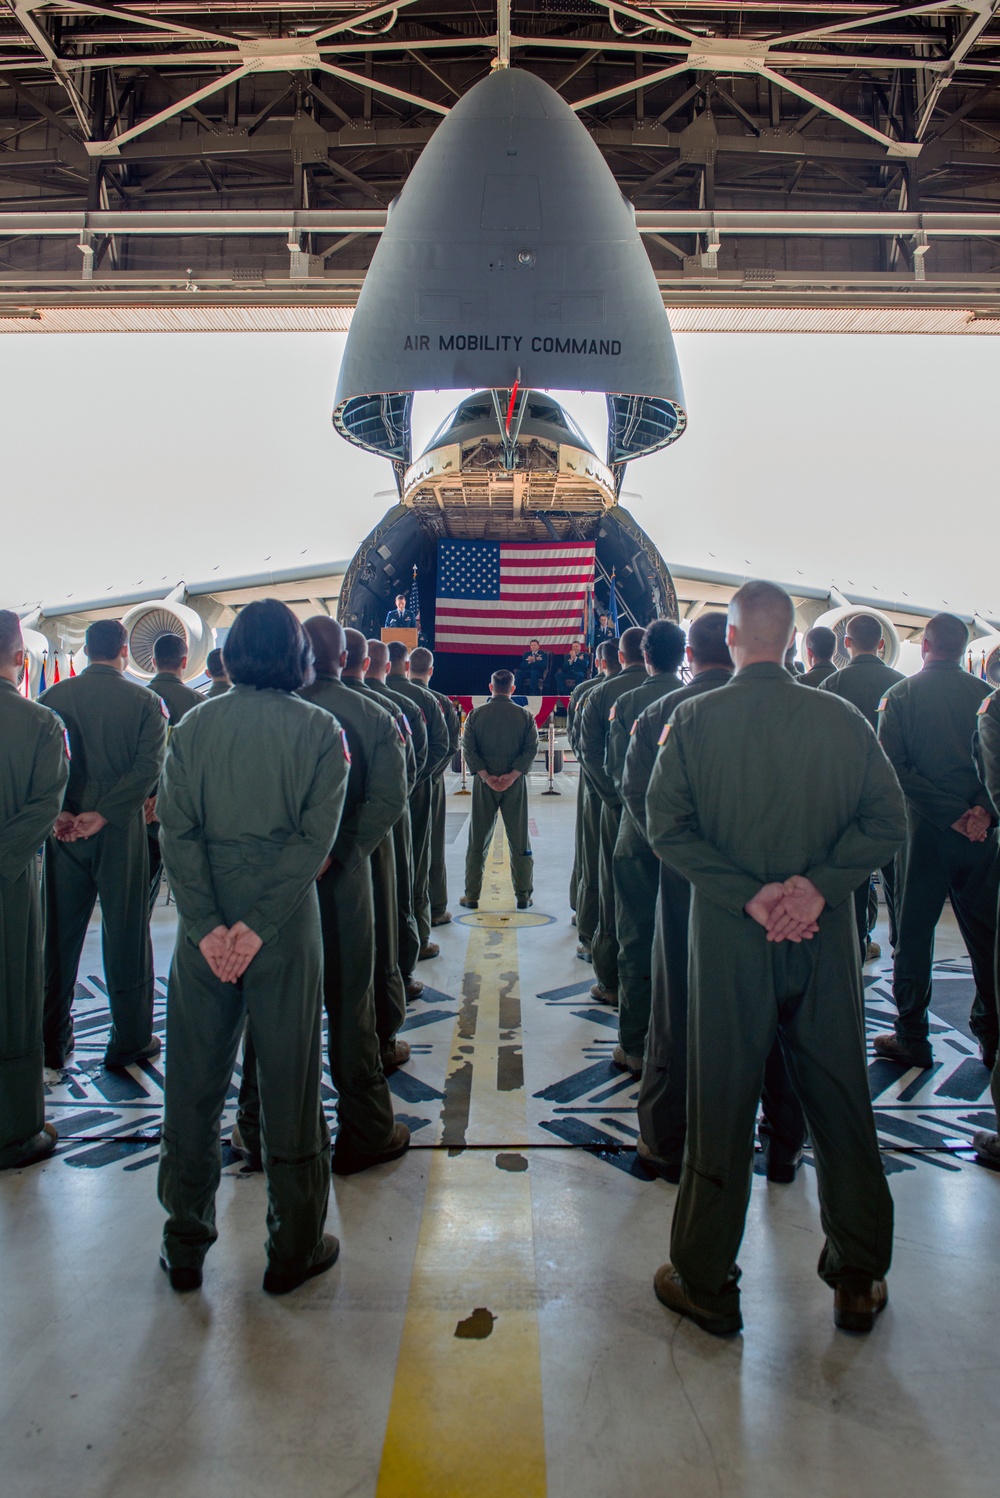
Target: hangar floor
column 491, row 1326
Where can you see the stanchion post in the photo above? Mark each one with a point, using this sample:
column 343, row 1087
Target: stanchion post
column 551, row 791
column 463, row 789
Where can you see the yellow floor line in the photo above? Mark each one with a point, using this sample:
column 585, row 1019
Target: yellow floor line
column 466, row 1414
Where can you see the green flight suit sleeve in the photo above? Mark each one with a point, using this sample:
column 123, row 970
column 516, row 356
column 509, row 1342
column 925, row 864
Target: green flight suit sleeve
column 438, row 740
column 593, row 741
column 123, row 800
column 184, row 852
column 640, row 757
column 987, row 745
column 22, row 835
column 470, row 743
column 675, row 835
column 879, row 827
column 529, row 746
column 418, row 736
column 384, row 800
column 302, row 856
column 936, row 805
column 615, row 751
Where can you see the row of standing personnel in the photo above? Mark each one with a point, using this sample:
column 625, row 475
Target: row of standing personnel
column 695, row 801
column 326, row 756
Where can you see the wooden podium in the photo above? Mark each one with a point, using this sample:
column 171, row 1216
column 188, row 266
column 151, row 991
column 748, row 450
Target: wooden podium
column 407, row 636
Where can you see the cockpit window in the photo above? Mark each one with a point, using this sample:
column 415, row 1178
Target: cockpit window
column 479, row 408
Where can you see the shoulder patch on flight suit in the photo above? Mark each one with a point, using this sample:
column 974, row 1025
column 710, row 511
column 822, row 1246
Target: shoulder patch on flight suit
column 633, row 728
column 164, row 709
column 402, row 735
column 611, row 715
column 406, row 722
column 664, row 734
column 984, row 706
column 881, row 706
column 347, row 747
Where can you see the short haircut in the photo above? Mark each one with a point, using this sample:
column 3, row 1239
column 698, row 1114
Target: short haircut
column 707, row 639
column 104, row 640
column 378, row 653
column 607, row 651
column 357, row 649
column 864, row 631
column 397, row 653
column 503, row 681
column 630, row 645
column 946, row 635
column 421, row 661
column 268, row 648
column 764, row 614
column 326, row 637
column 11, row 639
column 821, row 641
column 213, row 663
column 663, row 645
column 169, row 650
column 400, row 597
column 533, row 641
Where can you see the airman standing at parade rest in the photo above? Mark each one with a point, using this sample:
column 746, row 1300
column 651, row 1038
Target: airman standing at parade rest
column 774, row 803
column 584, row 889
column 170, row 659
column 421, row 671
column 500, row 742
column 34, row 770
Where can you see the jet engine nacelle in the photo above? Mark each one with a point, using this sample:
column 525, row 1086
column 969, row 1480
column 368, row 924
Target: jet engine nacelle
column 147, row 621
column 983, row 658
column 839, row 619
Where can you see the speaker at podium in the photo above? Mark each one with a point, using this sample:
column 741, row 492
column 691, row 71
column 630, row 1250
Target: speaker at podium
column 408, row 637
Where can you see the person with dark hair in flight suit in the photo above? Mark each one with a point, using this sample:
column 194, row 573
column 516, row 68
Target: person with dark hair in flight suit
column 926, row 726
column 820, row 646
column 774, row 802
column 117, row 731
column 367, row 1132
column 500, row 742
column 987, row 754
column 595, row 724
column 169, row 658
column 245, row 836
column 216, row 669
column 425, row 703
column 421, row 671
column 376, row 679
column 34, row 769
column 635, row 867
column 865, row 681
column 584, row 892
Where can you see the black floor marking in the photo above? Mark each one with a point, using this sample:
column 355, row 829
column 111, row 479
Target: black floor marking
column 426, row 1017
column 967, row 1083
column 598, row 1016
column 605, row 1146
column 579, row 1083
column 571, row 991
column 411, row 1089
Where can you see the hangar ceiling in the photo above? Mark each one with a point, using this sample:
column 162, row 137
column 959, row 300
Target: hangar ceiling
column 791, row 162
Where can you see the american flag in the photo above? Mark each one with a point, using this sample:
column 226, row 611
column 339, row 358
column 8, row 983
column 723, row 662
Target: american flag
column 492, row 596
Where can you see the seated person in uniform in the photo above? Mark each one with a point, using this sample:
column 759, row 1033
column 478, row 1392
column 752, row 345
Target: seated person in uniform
column 571, row 670
column 400, row 617
column 533, row 669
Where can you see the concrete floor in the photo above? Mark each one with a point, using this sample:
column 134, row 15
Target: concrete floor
column 111, row 1385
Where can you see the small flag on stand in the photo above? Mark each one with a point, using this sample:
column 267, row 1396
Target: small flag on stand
column 968, row 664
column 982, row 667
column 41, row 675
column 72, row 668
column 613, row 604
column 413, row 602
column 55, row 668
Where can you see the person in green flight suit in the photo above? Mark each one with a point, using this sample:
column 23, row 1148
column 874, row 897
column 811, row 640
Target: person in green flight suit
column 438, row 759
column 584, row 886
column 662, row 1103
column 117, row 731
column 773, row 803
column 367, row 1132
column 500, row 742
column 376, row 673
column 820, row 645
column 421, row 671
column 215, row 668
column 244, row 838
column 926, row 725
column 635, row 867
column 595, row 724
column 34, row 770
column 170, row 658
column 865, row 681
column 987, row 754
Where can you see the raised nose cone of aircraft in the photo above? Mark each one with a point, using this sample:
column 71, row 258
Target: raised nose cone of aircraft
column 509, row 253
